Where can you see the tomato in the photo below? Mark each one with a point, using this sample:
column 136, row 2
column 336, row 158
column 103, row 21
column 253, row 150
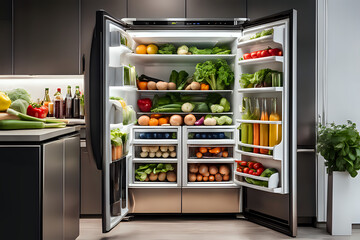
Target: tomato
column 251, row 164
column 239, row 169
column 246, row 170
column 258, row 53
column 247, row 56
column 257, row 173
column 253, row 55
column 280, row 53
column 265, row 53
column 260, row 170
column 243, row 163
column 257, row 165
column 274, row 51
column 251, row 171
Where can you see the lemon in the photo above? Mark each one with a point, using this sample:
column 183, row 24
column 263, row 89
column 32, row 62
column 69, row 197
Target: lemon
column 5, row 102
column 141, row 49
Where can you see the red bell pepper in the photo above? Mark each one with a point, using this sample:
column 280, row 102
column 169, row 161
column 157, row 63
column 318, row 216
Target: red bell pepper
column 36, row 110
column 275, row 52
column 144, row 104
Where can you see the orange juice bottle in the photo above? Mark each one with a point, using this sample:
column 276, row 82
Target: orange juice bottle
column 274, row 129
column 256, row 126
column 264, row 128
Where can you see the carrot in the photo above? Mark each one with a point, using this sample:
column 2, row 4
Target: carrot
column 204, row 86
column 203, row 149
column 256, row 137
column 199, row 155
column 215, row 150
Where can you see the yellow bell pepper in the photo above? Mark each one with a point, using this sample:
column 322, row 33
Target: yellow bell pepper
column 5, row 102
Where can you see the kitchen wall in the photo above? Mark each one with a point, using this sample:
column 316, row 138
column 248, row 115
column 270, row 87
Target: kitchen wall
column 338, row 82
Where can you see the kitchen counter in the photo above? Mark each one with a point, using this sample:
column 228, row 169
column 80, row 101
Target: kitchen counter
column 35, row 135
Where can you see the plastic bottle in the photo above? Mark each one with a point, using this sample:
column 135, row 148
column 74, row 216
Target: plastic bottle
column 264, row 128
column 256, row 126
column 274, row 129
column 247, row 128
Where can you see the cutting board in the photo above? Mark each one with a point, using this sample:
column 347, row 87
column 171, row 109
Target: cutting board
column 6, row 116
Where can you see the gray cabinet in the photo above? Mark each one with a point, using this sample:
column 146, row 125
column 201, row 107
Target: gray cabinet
column 46, row 37
column 216, row 8
column 156, row 9
column 6, row 37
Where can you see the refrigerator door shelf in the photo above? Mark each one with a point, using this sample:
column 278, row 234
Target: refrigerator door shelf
column 273, row 180
column 276, row 37
column 261, row 61
column 260, row 90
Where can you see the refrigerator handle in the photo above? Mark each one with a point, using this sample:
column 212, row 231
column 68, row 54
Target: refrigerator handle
column 311, row 150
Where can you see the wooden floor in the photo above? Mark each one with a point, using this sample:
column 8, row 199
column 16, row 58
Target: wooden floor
column 198, row 229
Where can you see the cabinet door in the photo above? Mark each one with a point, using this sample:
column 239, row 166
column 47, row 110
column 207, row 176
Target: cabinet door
column 216, row 8
column 46, row 37
column 71, row 187
column 156, row 9
column 53, row 158
column 6, row 37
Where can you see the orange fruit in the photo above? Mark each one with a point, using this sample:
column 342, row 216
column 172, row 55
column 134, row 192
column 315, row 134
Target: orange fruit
column 141, row 49
column 142, row 85
column 153, row 122
column 152, row 49
column 163, row 121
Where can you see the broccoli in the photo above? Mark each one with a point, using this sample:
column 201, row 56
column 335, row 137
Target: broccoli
column 167, row 48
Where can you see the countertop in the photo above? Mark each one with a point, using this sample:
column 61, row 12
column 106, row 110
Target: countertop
column 35, row 135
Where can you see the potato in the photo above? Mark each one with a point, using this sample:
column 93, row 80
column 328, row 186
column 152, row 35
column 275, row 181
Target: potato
column 151, row 155
column 171, row 86
column 162, row 176
column 171, row 176
column 192, row 177
column 163, row 148
column 193, row 168
column 158, row 154
column 218, row 177
column 173, row 154
column 224, row 170
column 171, row 148
column 213, row 170
column 203, row 169
column 162, row 85
column 144, row 154
column 144, row 120
column 151, row 85
column 153, row 176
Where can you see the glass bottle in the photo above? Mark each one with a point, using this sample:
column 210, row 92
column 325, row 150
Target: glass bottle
column 256, row 126
column 58, row 104
column 68, row 103
column 274, row 129
column 264, row 128
column 247, row 128
column 47, row 102
column 76, row 103
column 82, row 106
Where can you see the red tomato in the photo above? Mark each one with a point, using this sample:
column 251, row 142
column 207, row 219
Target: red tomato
column 257, row 173
column 251, row 164
column 280, row 53
column 251, row 171
column 260, row 170
column 258, row 53
column 246, row 170
column 257, row 165
column 274, row 51
column 253, row 55
column 265, row 53
column 247, row 56
column 243, row 163
column 239, row 169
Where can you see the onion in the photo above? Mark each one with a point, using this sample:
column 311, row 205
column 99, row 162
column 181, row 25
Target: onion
column 213, row 170
column 218, row 177
column 199, row 178
column 192, row 177
column 171, row 176
column 205, row 178
column 189, row 120
column 176, row 120
column 211, row 178
column 151, row 85
column 226, row 178
column 203, row 169
column 224, row 170
column 162, row 85
column 193, row 168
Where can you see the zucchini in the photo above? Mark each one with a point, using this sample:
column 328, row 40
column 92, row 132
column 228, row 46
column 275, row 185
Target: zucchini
column 30, row 118
column 19, row 124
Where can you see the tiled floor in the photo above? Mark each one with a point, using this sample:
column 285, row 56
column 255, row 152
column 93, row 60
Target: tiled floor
column 188, row 229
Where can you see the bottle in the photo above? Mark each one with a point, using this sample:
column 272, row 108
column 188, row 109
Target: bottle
column 82, row 106
column 256, row 126
column 58, row 104
column 47, row 103
column 274, row 129
column 247, row 128
column 264, row 128
column 76, row 103
column 68, row 103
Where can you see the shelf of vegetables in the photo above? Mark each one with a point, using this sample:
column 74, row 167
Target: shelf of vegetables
column 263, row 60
column 275, row 35
column 260, row 90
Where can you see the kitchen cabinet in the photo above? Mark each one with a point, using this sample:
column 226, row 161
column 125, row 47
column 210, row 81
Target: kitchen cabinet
column 6, row 37
column 216, row 8
column 46, row 37
column 42, row 184
column 156, row 9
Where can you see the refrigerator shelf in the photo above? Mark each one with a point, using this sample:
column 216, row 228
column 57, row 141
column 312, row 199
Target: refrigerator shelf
column 155, row 160
column 138, row 184
column 276, row 37
column 263, row 60
column 210, row 141
column 210, row 160
column 184, row 113
column 258, row 155
column 150, row 59
column 252, row 176
column 154, row 142
column 264, row 39
column 225, row 184
column 258, row 121
column 185, row 91
column 203, row 127
column 260, row 90
column 265, row 189
column 254, row 146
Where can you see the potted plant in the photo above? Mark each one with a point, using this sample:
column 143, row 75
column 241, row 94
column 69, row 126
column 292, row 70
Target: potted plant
column 340, row 147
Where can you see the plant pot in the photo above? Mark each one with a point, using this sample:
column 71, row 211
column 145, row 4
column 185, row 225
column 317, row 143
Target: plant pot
column 339, row 220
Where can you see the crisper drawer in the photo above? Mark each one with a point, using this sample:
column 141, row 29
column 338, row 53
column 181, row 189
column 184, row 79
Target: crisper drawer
column 209, row 134
column 156, row 135
column 143, row 200
column 215, row 200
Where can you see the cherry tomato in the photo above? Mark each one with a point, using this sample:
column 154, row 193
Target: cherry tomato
column 247, row 56
column 251, row 171
column 265, row 53
column 260, row 170
column 257, row 173
column 274, row 51
column 239, row 169
column 257, row 165
column 253, row 55
column 243, row 163
column 258, row 53
column 246, row 170
column 280, row 53
column 251, row 165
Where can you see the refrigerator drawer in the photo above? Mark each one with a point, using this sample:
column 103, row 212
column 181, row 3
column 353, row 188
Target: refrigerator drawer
column 215, row 200
column 144, row 200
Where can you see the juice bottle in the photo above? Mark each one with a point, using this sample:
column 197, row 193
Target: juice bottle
column 274, row 129
column 264, row 128
column 256, row 126
column 247, row 128
column 47, row 102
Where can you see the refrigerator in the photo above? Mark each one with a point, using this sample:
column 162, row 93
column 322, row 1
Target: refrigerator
column 112, row 52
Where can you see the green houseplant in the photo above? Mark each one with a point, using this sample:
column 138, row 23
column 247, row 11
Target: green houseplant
column 340, row 146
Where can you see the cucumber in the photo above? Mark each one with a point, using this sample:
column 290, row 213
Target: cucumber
column 19, row 124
